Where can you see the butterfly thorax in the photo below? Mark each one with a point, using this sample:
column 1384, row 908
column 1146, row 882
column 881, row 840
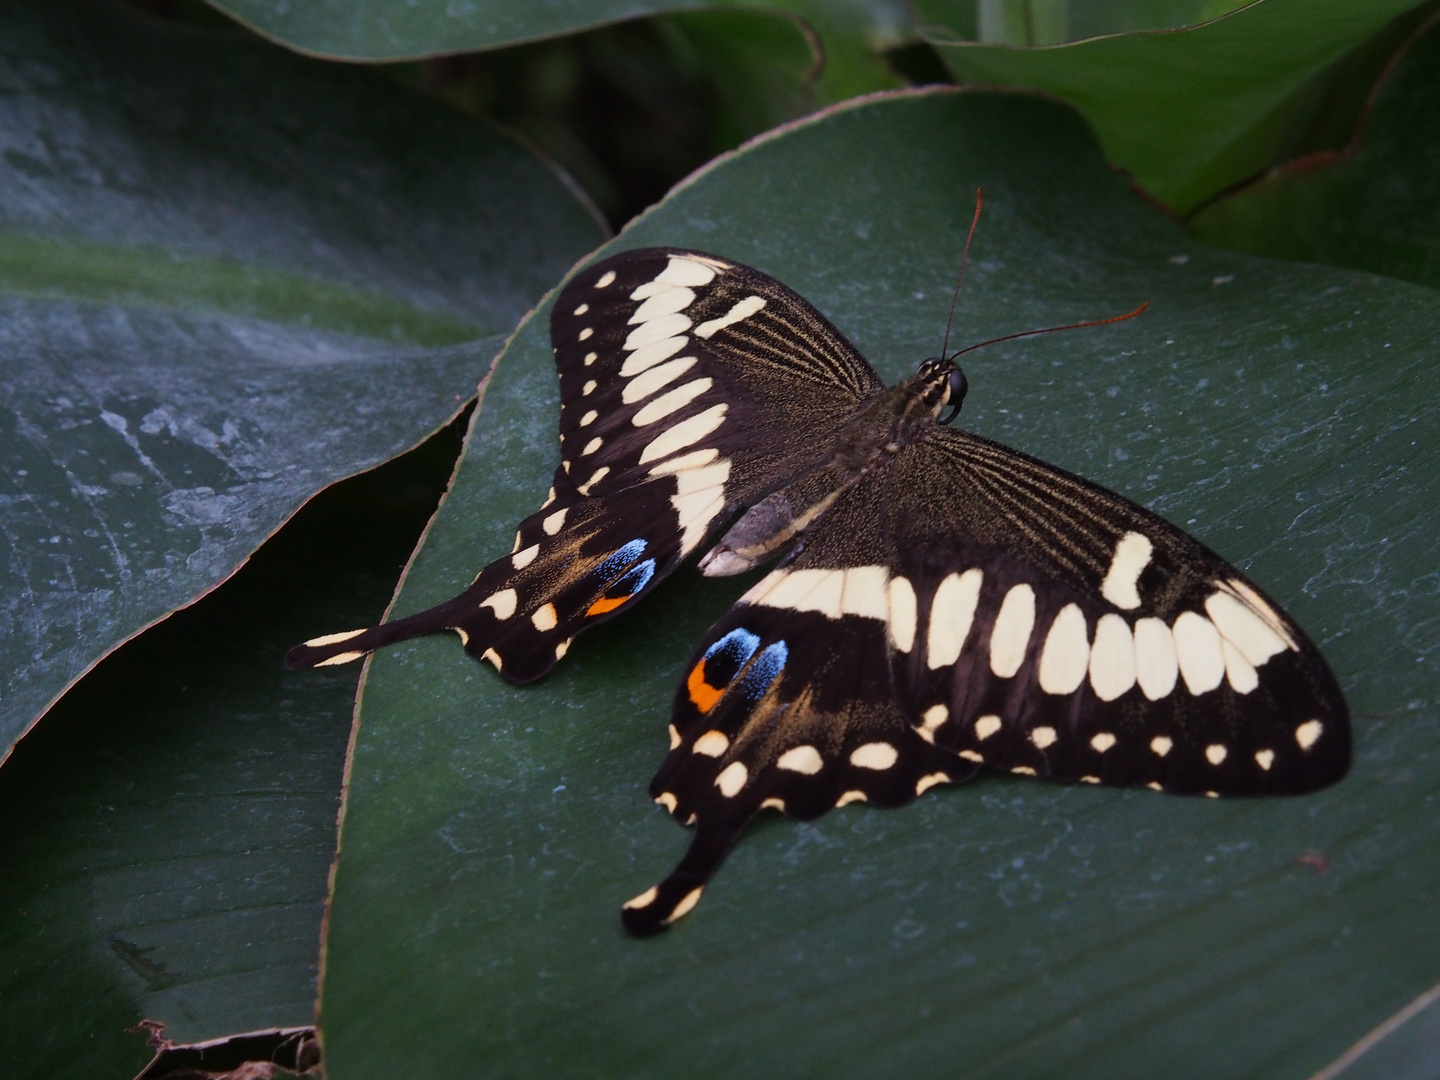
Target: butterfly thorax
column 881, row 426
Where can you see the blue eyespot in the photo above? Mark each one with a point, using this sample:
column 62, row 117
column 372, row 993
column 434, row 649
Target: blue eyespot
column 636, row 579
column 620, row 559
column 764, row 670
column 735, row 647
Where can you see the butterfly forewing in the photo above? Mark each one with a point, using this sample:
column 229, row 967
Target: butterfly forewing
column 1063, row 631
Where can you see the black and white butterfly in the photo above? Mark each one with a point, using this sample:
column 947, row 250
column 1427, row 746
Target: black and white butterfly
column 939, row 602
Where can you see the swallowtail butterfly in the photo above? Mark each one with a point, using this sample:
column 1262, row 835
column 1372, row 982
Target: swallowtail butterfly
column 939, row 602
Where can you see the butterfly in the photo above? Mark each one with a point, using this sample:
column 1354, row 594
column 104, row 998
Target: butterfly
column 939, row 602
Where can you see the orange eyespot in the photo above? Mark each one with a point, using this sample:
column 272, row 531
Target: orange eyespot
column 702, row 694
column 604, row 604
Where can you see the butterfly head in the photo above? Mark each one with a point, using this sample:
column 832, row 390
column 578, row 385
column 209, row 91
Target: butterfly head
column 944, row 387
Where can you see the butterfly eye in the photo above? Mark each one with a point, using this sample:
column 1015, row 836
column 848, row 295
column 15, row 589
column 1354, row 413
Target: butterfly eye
column 956, row 397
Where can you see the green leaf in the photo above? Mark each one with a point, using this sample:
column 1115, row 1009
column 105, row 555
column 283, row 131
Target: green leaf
column 1375, row 207
column 1050, row 22
column 228, row 277
column 1286, row 414
column 853, row 33
column 1193, row 111
column 170, row 827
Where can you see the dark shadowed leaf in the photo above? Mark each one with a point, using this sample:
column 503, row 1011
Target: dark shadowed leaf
column 170, row 827
column 1192, row 111
column 1375, row 207
column 853, row 33
column 228, row 277
column 1285, row 413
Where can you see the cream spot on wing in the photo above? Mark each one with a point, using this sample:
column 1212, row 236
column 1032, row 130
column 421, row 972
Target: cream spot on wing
column 1265, row 758
column 1154, row 786
column 1197, row 649
column 545, row 618
column 647, row 357
column 1011, row 635
column 1102, row 741
column 666, row 302
column 589, row 418
column 711, row 744
column 686, row 905
column 605, row 279
column 742, row 310
column 670, row 402
column 902, row 613
column 648, row 333
column 801, row 759
column 1161, row 744
column 1023, row 770
column 1257, row 604
column 550, row 498
column 339, row 658
column 931, row 721
column 849, row 797
column 1239, row 624
column 595, row 477
column 1242, row 677
column 642, row 386
column 1308, row 733
column 464, row 637
column 493, row 657
column 1212, row 794
column 685, row 433
column 773, row 803
column 731, row 779
column 667, row 800
column 563, row 648
column 865, row 592
column 1132, row 555
column 587, row 334
column 645, row 899
column 555, row 522
column 970, row 755
column 1089, row 779
column 1043, row 737
column 588, row 388
column 674, row 737
column 1112, row 658
column 1215, row 753
column 1066, row 653
column 986, row 726
column 689, row 272
column 593, row 445
column 807, row 590
column 590, row 358
column 502, row 603
column 876, row 755
column 1156, row 668
column 951, row 613
column 515, row 547
column 581, row 310
column 333, row 639
column 925, row 783
column 696, row 459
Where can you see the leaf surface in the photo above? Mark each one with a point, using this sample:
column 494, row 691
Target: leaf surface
column 1192, row 111
column 1284, row 413
column 228, row 277
column 1375, row 207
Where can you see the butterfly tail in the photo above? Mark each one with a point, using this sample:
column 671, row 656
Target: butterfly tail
column 350, row 645
column 660, row 905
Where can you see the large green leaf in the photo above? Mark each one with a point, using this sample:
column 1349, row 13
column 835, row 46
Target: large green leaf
column 170, row 827
column 228, row 277
column 853, row 33
column 1287, row 414
column 1375, row 207
column 1192, row 111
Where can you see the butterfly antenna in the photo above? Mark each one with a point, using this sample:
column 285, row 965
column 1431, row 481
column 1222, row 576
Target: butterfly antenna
column 1052, row 330
column 964, row 256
